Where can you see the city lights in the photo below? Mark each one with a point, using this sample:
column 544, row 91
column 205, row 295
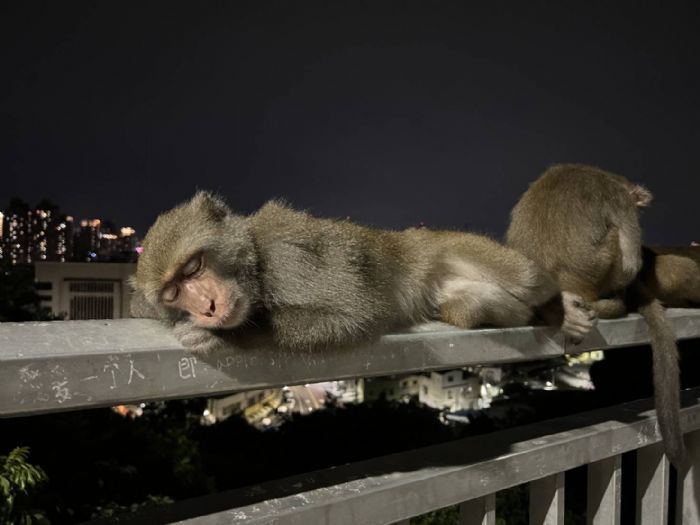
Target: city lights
column 44, row 234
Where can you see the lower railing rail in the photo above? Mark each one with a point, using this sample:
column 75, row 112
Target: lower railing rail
column 469, row 472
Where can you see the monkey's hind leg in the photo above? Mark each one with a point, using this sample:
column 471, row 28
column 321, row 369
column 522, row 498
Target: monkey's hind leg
column 462, row 312
column 484, row 304
column 611, row 308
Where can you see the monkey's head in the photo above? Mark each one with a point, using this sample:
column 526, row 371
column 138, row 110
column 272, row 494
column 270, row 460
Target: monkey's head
column 199, row 260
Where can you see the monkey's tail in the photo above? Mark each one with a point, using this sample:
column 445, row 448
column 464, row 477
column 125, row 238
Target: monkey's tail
column 666, row 374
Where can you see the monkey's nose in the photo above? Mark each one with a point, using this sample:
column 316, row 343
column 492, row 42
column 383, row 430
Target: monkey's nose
column 211, row 311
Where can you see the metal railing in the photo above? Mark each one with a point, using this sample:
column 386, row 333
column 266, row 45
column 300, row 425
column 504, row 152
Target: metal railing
column 47, row 367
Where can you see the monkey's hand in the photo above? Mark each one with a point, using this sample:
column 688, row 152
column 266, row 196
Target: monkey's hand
column 197, row 339
column 579, row 317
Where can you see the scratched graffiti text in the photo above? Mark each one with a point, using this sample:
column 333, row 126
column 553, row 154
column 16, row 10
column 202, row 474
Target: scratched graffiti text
column 186, row 367
column 134, row 372
column 61, row 392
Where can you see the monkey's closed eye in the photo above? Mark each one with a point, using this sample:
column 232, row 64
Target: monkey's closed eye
column 192, row 266
column 170, row 293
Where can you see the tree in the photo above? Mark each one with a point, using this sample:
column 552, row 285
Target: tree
column 18, row 298
column 18, row 480
column 47, row 205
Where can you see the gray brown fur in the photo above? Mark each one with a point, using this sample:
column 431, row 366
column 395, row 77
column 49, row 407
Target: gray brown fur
column 321, row 282
column 582, row 224
column 672, row 275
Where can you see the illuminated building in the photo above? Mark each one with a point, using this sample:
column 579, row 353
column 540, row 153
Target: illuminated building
column 87, row 240
column 39, row 245
column 254, row 405
column 61, row 242
column 30, row 235
column 392, row 388
column 451, row 390
column 17, row 232
column 99, row 240
column 108, row 241
column 52, row 234
column 44, row 234
column 128, row 242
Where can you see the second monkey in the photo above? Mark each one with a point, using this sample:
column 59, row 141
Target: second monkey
column 581, row 224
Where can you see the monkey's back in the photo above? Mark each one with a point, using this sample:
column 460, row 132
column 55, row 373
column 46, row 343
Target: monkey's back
column 331, row 281
column 342, row 274
column 569, row 221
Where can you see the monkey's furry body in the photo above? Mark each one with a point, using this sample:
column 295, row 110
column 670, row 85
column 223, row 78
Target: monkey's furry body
column 326, row 282
column 672, row 275
column 581, row 224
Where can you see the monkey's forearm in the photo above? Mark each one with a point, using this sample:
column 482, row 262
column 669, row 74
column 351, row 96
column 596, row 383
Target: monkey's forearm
column 197, row 339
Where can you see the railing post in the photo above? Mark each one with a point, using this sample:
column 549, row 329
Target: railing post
column 547, row 500
column 604, row 491
column 479, row 511
column 688, row 495
column 653, row 472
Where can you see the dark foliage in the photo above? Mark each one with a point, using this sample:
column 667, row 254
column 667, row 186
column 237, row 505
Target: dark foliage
column 18, row 298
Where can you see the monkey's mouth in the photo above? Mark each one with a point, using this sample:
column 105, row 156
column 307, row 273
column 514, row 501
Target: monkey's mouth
column 235, row 315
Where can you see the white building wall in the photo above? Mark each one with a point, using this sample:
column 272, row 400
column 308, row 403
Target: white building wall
column 450, row 390
column 86, row 283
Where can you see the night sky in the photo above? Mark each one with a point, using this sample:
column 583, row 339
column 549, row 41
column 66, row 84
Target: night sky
column 393, row 113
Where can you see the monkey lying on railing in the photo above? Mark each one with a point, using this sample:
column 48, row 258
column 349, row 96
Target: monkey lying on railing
column 320, row 282
column 581, row 224
column 672, row 275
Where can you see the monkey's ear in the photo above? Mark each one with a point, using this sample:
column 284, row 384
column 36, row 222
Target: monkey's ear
column 642, row 196
column 212, row 204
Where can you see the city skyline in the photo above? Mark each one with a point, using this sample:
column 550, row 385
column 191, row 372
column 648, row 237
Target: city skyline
column 42, row 233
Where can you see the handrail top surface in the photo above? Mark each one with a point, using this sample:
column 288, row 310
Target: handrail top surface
column 63, row 365
column 54, row 338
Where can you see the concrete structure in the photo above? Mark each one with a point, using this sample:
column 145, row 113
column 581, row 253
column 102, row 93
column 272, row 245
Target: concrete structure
column 85, row 290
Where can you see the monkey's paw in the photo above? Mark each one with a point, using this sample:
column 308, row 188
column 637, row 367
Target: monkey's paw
column 579, row 317
column 196, row 339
